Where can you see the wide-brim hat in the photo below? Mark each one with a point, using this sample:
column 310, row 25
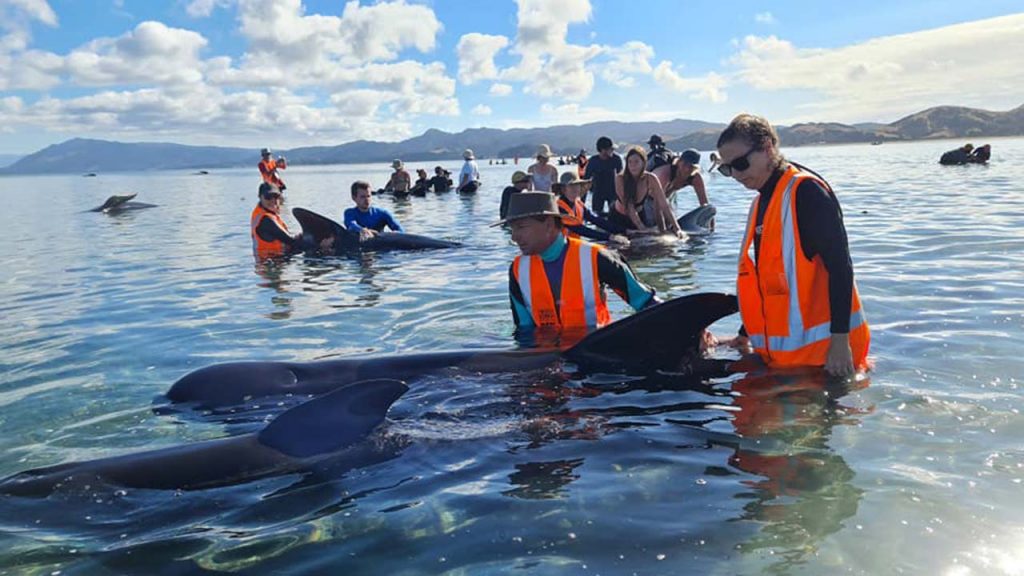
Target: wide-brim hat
column 468, row 154
column 572, row 177
column 543, row 151
column 526, row 204
column 396, row 163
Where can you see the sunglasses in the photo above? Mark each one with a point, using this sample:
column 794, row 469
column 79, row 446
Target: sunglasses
column 739, row 164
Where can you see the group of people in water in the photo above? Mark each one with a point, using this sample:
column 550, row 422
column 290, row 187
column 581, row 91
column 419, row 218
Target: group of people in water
column 798, row 301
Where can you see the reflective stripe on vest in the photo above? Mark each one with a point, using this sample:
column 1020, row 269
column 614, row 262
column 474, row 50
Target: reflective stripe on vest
column 571, row 216
column 581, row 302
column 760, row 285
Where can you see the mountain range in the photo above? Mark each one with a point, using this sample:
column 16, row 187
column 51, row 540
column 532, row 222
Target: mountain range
column 80, row 155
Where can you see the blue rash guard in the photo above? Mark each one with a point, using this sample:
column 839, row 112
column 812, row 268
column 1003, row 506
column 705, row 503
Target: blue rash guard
column 374, row 219
column 612, row 271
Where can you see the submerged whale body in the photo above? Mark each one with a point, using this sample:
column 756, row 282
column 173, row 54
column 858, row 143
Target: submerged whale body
column 116, row 204
column 697, row 222
column 316, row 228
column 329, row 427
column 662, row 337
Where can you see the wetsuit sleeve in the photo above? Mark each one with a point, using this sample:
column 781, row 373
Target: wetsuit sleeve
column 268, row 231
column 520, row 314
column 616, row 274
column 350, row 220
column 390, row 220
column 823, row 234
column 602, row 223
column 506, row 195
column 588, row 172
column 589, row 232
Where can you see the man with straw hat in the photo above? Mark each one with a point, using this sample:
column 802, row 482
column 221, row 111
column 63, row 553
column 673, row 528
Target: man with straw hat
column 557, row 283
column 400, row 181
column 575, row 213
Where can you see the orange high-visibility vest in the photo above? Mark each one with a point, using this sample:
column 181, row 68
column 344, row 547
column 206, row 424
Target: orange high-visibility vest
column 582, row 302
column 784, row 300
column 261, row 247
column 268, row 170
column 571, row 216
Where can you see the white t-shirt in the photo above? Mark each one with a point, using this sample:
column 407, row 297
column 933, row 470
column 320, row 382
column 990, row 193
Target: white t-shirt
column 469, row 173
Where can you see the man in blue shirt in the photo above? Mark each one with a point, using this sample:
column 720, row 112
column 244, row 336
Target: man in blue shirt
column 369, row 221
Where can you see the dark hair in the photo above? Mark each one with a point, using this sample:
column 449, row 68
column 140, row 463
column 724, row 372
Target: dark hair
column 603, row 143
column 628, row 183
column 754, row 130
column 359, row 185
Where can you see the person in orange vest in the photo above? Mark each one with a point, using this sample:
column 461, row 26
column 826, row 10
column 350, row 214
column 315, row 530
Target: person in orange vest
column 575, row 213
column 270, row 235
column 269, row 167
column 798, row 300
column 557, row 283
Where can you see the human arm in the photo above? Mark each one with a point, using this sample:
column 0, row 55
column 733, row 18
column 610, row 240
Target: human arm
column 268, row 231
column 666, row 216
column 823, row 234
column 699, row 189
column 620, row 193
column 614, row 272
column 520, row 314
column 602, row 223
column 390, row 221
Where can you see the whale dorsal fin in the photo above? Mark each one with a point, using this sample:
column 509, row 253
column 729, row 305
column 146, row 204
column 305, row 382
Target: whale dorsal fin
column 330, row 422
column 114, row 201
column 695, row 222
column 656, row 337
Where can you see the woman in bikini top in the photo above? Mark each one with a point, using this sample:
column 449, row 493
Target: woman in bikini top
column 634, row 188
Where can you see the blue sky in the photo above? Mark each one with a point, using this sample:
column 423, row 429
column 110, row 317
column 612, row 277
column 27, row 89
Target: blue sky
column 303, row 72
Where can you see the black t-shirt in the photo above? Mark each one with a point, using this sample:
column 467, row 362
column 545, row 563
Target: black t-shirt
column 441, row 183
column 602, row 172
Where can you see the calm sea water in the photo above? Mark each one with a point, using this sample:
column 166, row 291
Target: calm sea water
column 918, row 470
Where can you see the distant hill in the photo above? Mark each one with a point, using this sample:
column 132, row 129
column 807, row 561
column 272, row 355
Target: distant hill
column 8, row 159
column 82, row 156
column 938, row 122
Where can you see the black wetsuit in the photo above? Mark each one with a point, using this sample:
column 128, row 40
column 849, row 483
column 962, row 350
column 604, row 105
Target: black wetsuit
column 822, row 233
column 441, row 183
column 268, row 231
column 506, row 196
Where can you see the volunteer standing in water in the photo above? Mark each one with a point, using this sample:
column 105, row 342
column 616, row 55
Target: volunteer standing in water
column 640, row 202
column 368, row 220
column 557, row 282
column 544, row 174
column 469, row 177
column 269, row 167
column 798, row 300
column 270, row 235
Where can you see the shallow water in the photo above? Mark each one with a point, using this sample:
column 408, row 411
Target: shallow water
column 918, row 470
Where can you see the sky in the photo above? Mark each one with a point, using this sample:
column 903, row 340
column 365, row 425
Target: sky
column 288, row 73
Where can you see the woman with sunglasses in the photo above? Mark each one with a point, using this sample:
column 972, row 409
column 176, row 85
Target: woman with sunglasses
column 798, row 300
column 640, row 202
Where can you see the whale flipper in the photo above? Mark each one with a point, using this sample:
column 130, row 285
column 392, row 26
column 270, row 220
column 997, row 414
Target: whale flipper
column 313, row 427
column 658, row 337
column 696, row 222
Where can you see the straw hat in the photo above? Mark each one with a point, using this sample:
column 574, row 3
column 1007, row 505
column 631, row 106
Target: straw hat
column 468, row 154
column 544, row 151
column 571, row 177
column 526, row 204
column 396, row 163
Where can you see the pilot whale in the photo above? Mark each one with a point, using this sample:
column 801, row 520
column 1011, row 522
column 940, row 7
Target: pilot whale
column 331, row 428
column 116, row 204
column 665, row 337
column 316, row 228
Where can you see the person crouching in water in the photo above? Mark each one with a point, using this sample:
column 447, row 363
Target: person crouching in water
column 270, row 235
column 640, row 202
column 557, row 284
column 575, row 213
column 367, row 220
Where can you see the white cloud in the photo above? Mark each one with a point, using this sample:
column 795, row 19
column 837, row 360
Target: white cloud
column 150, row 53
column 203, row 8
column 631, row 59
column 476, row 56
column 888, row 76
column 498, row 89
column 708, row 87
column 34, row 9
column 481, row 110
column 764, row 18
